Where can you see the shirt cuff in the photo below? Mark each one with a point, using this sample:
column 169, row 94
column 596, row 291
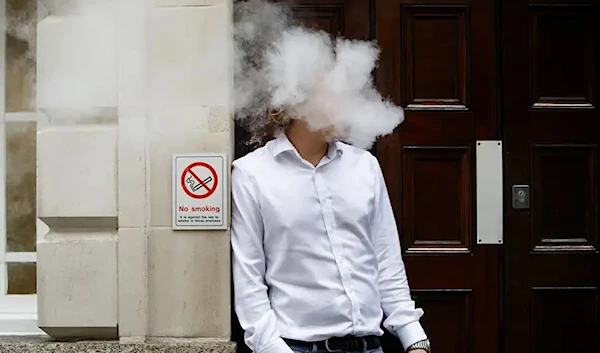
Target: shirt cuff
column 411, row 334
column 277, row 346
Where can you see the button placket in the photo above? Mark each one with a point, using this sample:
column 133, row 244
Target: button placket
column 336, row 245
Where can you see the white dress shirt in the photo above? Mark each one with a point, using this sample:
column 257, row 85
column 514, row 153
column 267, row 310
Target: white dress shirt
column 316, row 251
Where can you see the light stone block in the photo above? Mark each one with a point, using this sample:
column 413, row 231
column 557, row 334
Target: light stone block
column 196, row 71
column 220, row 119
column 59, row 7
column 177, row 121
column 132, row 172
column 77, row 63
column 175, row 3
column 77, row 174
column 133, row 40
column 42, row 10
column 133, row 285
column 189, row 283
column 162, row 152
column 77, row 280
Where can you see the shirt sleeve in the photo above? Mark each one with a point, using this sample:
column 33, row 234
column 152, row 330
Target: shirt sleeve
column 252, row 304
column 402, row 315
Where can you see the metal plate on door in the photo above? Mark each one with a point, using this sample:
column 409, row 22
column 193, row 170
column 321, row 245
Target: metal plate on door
column 489, row 192
column 520, row 197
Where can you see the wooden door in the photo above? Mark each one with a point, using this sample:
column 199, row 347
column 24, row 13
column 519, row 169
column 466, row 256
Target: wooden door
column 438, row 62
column 552, row 131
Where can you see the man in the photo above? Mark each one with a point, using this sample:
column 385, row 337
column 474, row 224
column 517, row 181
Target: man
column 316, row 253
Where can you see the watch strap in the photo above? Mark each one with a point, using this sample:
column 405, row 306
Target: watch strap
column 423, row 344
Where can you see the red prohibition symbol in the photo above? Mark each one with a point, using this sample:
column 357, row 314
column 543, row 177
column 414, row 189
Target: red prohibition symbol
column 196, row 187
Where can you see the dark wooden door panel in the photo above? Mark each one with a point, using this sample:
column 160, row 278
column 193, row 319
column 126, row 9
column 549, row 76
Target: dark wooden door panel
column 453, row 334
column 438, row 62
column 563, row 185
column 437, row 181
column 428, row 32
column 560, row 314
column 552, row 132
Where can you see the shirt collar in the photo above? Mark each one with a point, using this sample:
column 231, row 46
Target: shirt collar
column 282, row 144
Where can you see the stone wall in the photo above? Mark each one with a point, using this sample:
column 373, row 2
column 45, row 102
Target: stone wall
column 111, row 259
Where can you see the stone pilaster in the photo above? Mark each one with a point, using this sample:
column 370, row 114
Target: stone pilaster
column 77, row 176
column 133, row 198
column 190, row 66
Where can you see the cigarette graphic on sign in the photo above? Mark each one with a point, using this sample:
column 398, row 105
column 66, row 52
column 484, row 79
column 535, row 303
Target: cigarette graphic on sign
column 196, row 187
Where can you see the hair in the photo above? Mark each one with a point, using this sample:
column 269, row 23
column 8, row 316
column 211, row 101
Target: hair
column 264, row 127
column 279, row 120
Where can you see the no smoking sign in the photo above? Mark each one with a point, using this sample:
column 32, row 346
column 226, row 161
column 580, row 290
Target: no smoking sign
column 199, row 191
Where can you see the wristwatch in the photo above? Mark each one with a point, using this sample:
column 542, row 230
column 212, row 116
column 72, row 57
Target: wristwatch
column 424, row 345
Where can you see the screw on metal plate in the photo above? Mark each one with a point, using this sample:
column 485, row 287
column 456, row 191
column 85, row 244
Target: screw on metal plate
column 520, row 197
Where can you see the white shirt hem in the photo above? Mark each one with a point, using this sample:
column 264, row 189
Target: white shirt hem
column 277, row 346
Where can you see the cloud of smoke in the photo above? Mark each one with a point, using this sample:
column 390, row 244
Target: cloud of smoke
column 310, row 75
column 78, row 61
column 64, row 56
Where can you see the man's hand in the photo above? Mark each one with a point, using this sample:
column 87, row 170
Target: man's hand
column 417, row 351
